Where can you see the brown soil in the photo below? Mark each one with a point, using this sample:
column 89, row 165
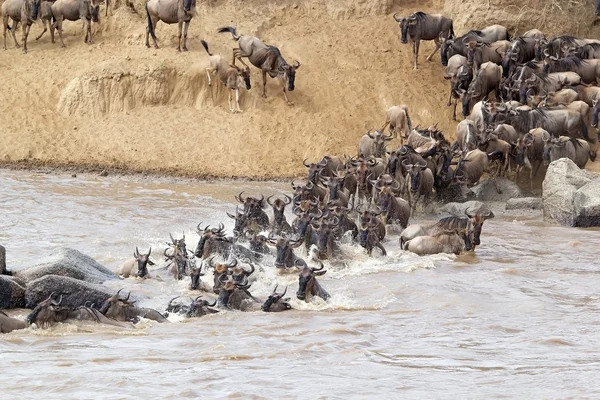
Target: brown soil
column 119, row 106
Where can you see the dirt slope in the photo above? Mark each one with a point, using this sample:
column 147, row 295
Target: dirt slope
column 117, row 104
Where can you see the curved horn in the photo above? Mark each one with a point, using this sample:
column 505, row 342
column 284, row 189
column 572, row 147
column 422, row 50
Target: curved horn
column 305, row 164
column 318, row 269
column 284, row 292
column 287, row 200
column 269, row 200
column 60, row 299
column 275, row 290
column 240, row 198
column 137, row 252
column 468, row 214
column 396, row 18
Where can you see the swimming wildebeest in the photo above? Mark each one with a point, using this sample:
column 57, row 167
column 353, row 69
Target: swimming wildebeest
column 308, row 286
column 49, row 312
column 276, row 302
column 120, row 309
column 236, row 296
column 72, row 10
column 420, row 26
column 127, row 269
column 285, row 257
column 369, row 239
column 443, row 242
column 279, row 225
column 265, row 57
column 23, row 11
column 170, row 12
column 9, row 324
column 230, row 75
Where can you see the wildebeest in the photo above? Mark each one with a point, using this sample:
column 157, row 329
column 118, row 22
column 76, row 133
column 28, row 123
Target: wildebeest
column 460, row 76
column 279, row 225
column 486, row 81
column 120, row 309
column 179, row 263
column 170, row 12
column 46, row 17
column 254, row 209
column 221, row 272
column 140, row 260
column 308, row 286
column 577, row 150
column 419, row 184
column 236, row 296
column 324, row 238
column 481, row 52
column 394, row 209
column 373, row 144
column 345, row 224
column 314, row 170
column 212, row 241
column 200, row 307
column 72, row 10
column 491, row 144
column 23, row 11
column 3, row 270
column 471, row 167
column 398, row 120
column 563, row 96
column 443, row 242
column 285, row 257
column 230, row 75
column 420, row 26
column 276, row 302
column 49, row 312
column 265, row 57
column 597, row 8
column 9, row 324
column 466, row 136
column 588, row 70
column 458, row 45
column 195, row 275
column 369, row 239
column 522, row 50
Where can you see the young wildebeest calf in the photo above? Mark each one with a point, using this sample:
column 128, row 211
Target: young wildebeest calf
column 230, row 75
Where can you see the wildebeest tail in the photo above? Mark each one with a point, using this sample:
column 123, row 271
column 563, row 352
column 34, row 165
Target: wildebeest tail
column 229, row 29
column 405, row 245
column 583, row 129
column 150, row 27
column 408, row 121
column 205, row 45
column 452, row 34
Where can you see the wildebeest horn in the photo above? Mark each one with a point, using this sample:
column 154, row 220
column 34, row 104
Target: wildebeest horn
column 233, row 263
column 318, row 269
column 396, row 18
column 269, row 200
column 137, row 253
column 172, row 240
column 149, row 251
column 199, row 229
column 305, row 164
column 239, row 197
column 128, row 295
column 275, row 290
column 309, row 185
column 287, row 200
column 60, row 299
column 468, row 214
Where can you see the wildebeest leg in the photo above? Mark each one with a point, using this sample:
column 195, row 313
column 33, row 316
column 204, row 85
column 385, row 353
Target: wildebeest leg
column 209, row 70
column 24, row 38
column 5, row 26
column 437, row 47
column 44, row 31
column 154, row 22
column 454, row 110
column 14, row 32
column 89, row 32
column 289, row 103
column 229, row 98
column 416, row 52
column 237, row 100
column 180, row 26
column 380, row 246
column 264, row 75
column 107, row 7
column 185, row 31
column 58, row 26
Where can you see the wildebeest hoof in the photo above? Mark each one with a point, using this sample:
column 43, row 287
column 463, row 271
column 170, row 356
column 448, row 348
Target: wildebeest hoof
column 18, row 46
column 24, row 51
column 185, row 49
column 290, row 103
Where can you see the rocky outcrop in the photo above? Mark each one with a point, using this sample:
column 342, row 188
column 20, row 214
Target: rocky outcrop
column 12, row 294
column 488, row 190
column 70, row 263
column 570, row 196
column 524, row 203
column 458, row 209
column 75, row 292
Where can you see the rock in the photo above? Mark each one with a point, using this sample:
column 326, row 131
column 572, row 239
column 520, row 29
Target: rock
column 71, row 263
column 562, row 180
column 586, row 203
column 75, row 292
column 3, row 270
column 486, row 190
column 524, row 203
column 458, row 209
column 12, row 294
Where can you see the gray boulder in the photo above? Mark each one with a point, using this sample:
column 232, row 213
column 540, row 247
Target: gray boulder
column 71, row 263
column 524, row 203
column 569, row 196
column 12, row 294
column 487, row 190
column 458, row 209
column 75, row 292
column 586, row 203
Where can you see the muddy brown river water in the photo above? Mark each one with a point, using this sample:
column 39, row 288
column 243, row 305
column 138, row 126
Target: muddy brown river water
column 518, row 319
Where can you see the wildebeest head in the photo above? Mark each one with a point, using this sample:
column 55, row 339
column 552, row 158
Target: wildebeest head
column 307, row 283
column 476, row 221
column 241, row 223
column 364, row 230
column 285, row 251
column 289, row 75
column 221, row 273
column 324, row 237
column 253, row 206
column 48, row 312
column 118, row 308
column 335, row 185
column 406, row 27
column 314, row 169
column 415, row 175
column 199, row 308
column 279, row 206
column 228, row 287
column 179, row 244
column 276, row 302
column 379, row 139
column 244, row 75
column 94, row 7
column 142, row 260
column 386, row 199
column 239, row 274
column 206, row 235
column 195, row 276
column 446, row 50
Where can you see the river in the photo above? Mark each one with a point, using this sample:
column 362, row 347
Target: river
column 517, row 319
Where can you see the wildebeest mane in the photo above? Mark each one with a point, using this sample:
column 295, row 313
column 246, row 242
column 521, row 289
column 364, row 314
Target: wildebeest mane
column 451, row 224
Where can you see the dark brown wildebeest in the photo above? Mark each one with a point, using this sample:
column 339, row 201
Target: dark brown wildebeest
column 254, row 210
column 308, row 286
column 522, row 50
column 212, row 241
column 481, row 52
column 231, row 76
column 576, row 150
column 345, row 224
column 444, row 242
column 279, row 225
column 120, row 309
column 9, row 324
column 49, row 312
column 398, row 119
column 336, row 192
column 369, row 239
column 314, row 170
column 73, row 10
column 308, row 191
column 420, row 26
column 23, row 11
column 265, row 57
column 419, row 184
column 221, row 272
column 127, row 269
column 200, row 307
column 460, row 76
column 170, row 12
column 394, row 209
column 372, row 217
column 285, row 257
column 195, row 275
column 236, row 296
column 458, row 45
column 324, row 238
column 486, row 81
column 276, row 302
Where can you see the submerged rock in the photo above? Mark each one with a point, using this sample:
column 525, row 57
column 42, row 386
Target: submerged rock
column 71, row 263
column 524, row 203
column 458, row 209
column 570, row 196
column 488, row 190
column 75, row 292
column 12, row 294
